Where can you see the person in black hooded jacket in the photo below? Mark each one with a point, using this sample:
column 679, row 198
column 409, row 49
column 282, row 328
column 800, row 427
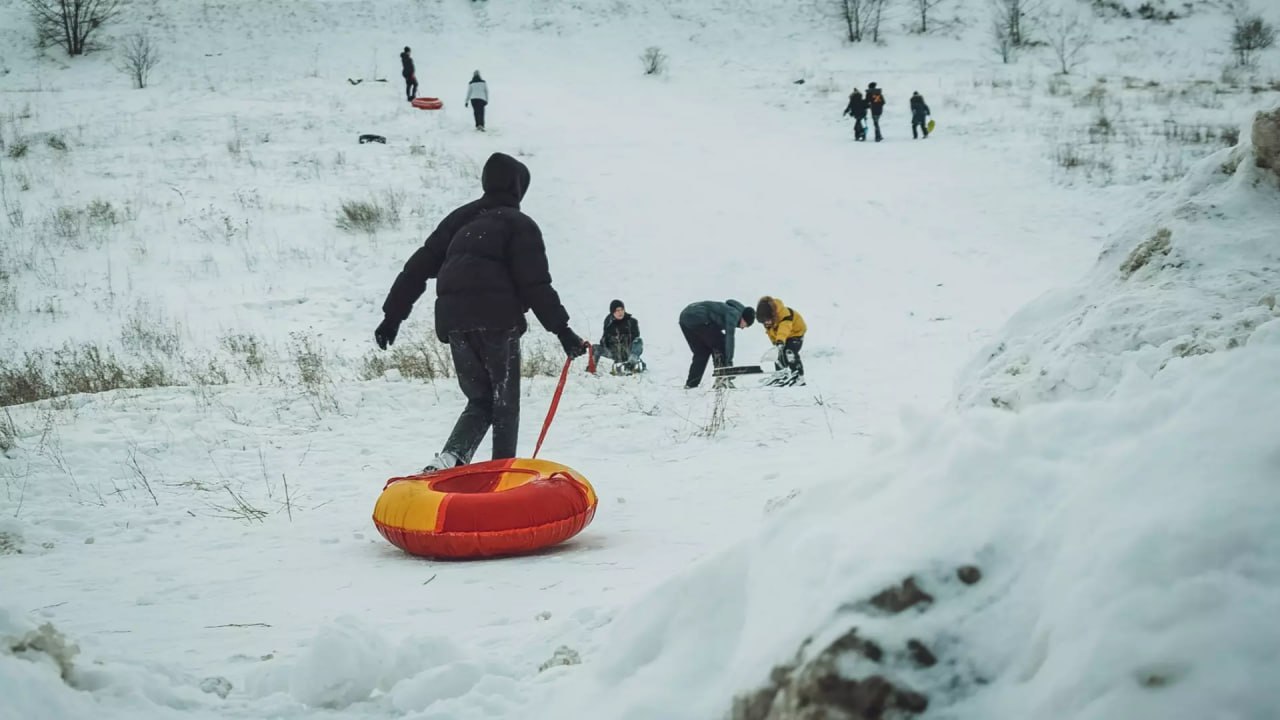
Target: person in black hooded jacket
column 857, row 108
column 620, row 341
column 490, row 267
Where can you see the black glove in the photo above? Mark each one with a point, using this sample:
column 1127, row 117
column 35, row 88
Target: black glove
column 573, row 345
column 385, row 335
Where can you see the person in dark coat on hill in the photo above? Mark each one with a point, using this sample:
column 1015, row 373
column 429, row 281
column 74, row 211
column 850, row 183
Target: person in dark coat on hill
column 621, row 341
column 919, row 110
column 875, row 101
column 857, row 108
column 708, row 327
column 410, row 76
column 490, row 266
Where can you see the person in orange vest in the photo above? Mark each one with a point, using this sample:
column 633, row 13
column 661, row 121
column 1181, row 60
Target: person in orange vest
column 785, row 328
column 875, row 101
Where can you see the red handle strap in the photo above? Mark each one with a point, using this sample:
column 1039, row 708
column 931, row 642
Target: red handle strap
column 555, row 399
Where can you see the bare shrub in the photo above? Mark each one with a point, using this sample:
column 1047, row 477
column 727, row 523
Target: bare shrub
column 18, row 149
column 73, row 369
column 71, row 24
column 248, row 353
column 102, row 213
column 138, row 58
column 8, row 433
column 365, row 216
column 1249, row 35
column 66, row 223
column 8, row 294
column 541, row 357
column 313, row 371
column 147, row 331
column 716, row 421
column 653, row 60
column 1068, row 36
column 420, row 358
column 57, row 142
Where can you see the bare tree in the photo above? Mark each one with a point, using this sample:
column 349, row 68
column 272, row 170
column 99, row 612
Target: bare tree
column 856, row 15
column 1000, row 41
column 1015, row 16
column 70, row 24
column 138, row 58
column 923, row 8
column 876, row 13
column 1069, row 36
column 1249, row 34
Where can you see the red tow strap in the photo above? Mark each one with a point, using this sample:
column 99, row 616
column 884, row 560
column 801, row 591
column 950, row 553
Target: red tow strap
column 555, row 399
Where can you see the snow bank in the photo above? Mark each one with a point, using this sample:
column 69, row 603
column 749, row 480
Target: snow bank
column 1128, row 533
column 1197, row 273
column 1130, row 547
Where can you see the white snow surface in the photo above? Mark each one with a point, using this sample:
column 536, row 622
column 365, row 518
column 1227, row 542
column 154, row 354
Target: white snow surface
column 1107, row 457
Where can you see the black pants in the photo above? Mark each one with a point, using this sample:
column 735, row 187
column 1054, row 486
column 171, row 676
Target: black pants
column 918, row 121
column 875, row 119
column 411, row 86
column 477, row 108
column 789, row 356
column 706, row 342
column 860, row 128
column 488, row 366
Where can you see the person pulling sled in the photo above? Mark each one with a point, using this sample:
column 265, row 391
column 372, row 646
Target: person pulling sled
column 785, row 328
column 409, row 74
column 621, row 341
column 490, row 266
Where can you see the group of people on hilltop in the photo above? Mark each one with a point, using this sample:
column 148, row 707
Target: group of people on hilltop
column 489, row 262
column 477, row 89
column 873, row 102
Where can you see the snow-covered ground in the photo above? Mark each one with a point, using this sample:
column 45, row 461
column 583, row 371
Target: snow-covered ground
column 1107, row 458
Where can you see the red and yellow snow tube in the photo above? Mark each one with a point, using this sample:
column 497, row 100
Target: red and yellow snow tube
column 500, row 507
column 427, row 103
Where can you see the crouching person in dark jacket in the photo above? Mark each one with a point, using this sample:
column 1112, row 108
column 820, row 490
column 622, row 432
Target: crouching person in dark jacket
column 708, row 327
column 621, row 341
column 490, row 266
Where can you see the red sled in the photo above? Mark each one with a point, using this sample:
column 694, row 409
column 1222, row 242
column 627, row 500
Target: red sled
column 427, row 103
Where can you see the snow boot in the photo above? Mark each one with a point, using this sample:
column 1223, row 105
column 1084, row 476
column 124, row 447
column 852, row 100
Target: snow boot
column 442, row 461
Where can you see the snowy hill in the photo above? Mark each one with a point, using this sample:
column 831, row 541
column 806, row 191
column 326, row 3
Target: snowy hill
column 200, row 529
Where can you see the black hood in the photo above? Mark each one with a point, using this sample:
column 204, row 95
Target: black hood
column 505, row 179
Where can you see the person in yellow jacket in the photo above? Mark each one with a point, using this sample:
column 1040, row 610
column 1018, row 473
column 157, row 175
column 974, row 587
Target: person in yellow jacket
column 785, row 328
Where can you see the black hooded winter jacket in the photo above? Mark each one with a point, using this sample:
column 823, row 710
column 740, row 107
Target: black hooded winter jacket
column 489, row 262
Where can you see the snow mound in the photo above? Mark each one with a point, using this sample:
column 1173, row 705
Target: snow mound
column 1197, row 273
column 1128, row 544
column 1122, row 542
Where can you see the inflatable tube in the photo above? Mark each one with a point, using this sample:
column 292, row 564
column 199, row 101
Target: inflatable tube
column 500, row 507
column 427, row 103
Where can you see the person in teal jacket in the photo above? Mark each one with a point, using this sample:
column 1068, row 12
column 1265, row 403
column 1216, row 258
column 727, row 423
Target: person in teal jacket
column 708, row 327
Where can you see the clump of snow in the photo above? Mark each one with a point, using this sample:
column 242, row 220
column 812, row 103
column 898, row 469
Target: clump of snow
column 1197, row 274
column 1126, row 519
column 564, row 655
column 344, row 664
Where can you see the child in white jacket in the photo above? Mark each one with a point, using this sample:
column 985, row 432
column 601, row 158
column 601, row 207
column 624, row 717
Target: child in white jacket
column 477, row 98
